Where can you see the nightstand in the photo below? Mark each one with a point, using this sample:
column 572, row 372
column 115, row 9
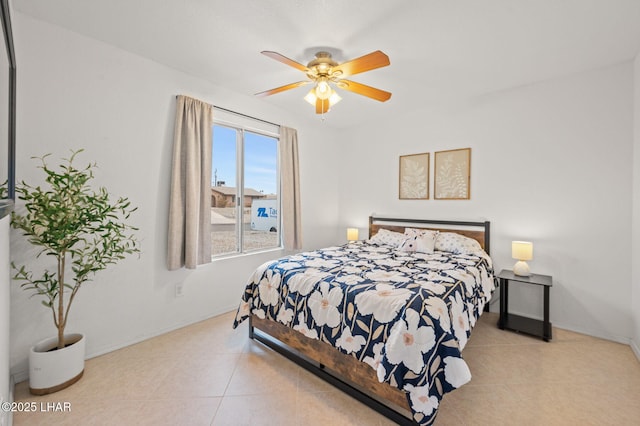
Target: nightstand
column 519, row 323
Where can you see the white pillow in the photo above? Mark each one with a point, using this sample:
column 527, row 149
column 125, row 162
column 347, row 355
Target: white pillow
column 409, row 245
column 414, row 232
column 417, row 244
column 417, row 232
column 457, row 244
column 387, row 238
column 420, row 240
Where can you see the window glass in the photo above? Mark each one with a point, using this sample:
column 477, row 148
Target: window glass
column 245, row 204
column 261, row 219
column 224, row 226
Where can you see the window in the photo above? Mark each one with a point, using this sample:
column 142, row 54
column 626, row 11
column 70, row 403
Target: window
column 245, row 202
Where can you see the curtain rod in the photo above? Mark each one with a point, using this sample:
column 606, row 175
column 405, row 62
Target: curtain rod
column 236, row 113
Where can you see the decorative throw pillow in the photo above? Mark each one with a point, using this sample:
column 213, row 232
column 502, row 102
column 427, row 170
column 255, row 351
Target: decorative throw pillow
column 409, row 245
column 414, row 232
column 457, row 244
column 425, row 239
column 387, row 238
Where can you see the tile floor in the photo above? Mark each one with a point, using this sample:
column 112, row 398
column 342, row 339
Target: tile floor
column 209, row 374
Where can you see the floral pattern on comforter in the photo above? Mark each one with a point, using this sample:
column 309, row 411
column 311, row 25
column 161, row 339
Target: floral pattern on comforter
column 407, row 315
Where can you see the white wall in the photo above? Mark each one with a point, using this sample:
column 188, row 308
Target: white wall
column 551, row 163
column 635, row 253
column 76, row 92
column 4, row 316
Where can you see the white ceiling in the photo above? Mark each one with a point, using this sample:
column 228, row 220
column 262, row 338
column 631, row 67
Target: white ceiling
column 441, row 51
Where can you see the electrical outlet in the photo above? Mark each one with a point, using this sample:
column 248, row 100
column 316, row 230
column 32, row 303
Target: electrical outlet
column 179, row 290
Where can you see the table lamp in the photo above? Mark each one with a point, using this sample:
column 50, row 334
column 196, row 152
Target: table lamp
column 521, row 250
column 352, row 234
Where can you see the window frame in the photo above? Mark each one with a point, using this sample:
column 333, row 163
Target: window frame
column 241, row 129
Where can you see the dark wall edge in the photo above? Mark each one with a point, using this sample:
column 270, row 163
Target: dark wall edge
column 7, row 205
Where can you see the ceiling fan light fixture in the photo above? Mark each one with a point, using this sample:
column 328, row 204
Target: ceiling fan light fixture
column 311, row 97
column 323, row 90
column 333, row 98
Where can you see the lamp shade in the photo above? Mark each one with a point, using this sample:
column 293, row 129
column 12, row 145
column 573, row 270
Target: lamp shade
column 352, row 234
column 333, row 97
column 323, row 90
column 521, row 250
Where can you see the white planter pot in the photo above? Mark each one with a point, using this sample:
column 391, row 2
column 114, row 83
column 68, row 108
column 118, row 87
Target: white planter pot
column 51, row 369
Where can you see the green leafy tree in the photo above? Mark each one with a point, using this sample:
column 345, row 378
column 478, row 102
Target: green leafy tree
column 82, row 228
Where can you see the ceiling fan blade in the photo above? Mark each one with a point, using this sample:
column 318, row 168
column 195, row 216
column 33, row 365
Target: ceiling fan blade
column 282, row 88
column 364, row 63
column 322, row 106
column 364, row 90
column 278, row 57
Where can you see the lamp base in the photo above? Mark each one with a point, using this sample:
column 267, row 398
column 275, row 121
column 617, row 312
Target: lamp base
column 521, row 269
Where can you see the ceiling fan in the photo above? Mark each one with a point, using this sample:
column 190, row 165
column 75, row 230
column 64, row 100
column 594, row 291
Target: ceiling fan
column 324, row 71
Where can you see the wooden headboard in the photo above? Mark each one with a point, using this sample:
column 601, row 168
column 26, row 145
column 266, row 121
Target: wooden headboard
column 479, row 231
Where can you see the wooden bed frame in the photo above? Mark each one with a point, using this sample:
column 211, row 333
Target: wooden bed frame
column 344, row 371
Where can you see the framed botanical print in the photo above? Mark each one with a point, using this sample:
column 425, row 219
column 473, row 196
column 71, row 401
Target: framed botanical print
column 414, row 177
column 452, row 174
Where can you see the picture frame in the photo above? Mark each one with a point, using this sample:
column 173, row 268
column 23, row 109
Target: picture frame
column 413, row 177
column 452, row 174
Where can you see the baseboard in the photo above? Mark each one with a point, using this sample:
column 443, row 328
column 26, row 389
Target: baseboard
column 107, row 349
column 595, row 333
column 6, row 416
column 635, row 348
column 12, row 387
column 18, row 376
column 22, row 375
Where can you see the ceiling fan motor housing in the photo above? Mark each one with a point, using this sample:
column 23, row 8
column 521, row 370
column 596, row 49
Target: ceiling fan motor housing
column 322, row 66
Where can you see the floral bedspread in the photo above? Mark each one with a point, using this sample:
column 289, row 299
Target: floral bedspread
column 407, row 315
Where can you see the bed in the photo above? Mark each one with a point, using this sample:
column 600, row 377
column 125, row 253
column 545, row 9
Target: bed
column 386, row 319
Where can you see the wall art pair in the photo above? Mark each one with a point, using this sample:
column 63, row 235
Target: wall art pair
column 452, row 175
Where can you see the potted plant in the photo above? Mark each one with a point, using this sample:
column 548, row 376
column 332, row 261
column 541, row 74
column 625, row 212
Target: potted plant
column 85, row 231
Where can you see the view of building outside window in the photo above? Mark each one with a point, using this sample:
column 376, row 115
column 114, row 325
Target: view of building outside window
column 245, row 216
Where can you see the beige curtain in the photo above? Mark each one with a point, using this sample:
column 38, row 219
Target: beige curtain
column 290, row 189
column 190, row 203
